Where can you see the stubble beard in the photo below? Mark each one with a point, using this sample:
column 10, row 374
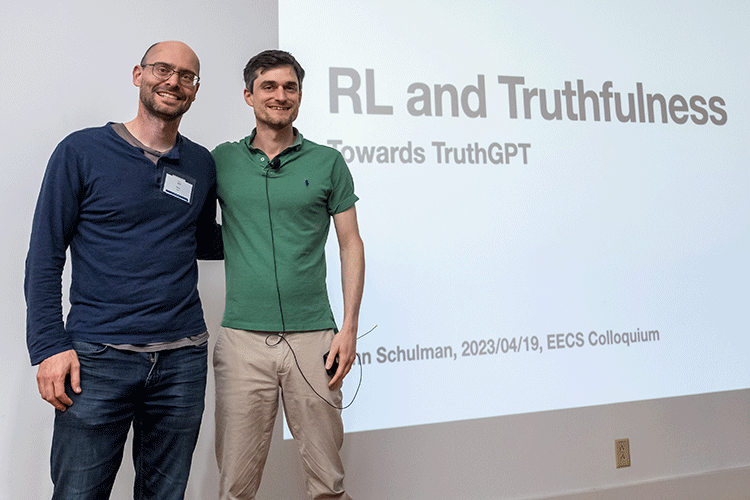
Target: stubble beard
column 148, row 98
column 277, row 123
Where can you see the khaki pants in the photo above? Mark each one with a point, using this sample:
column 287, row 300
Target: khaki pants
column 249, row 368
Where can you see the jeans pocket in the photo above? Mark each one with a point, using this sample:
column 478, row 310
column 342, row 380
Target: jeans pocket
column 89, row 348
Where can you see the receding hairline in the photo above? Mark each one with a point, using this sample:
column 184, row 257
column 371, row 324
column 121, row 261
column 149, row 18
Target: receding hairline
column 152, row 48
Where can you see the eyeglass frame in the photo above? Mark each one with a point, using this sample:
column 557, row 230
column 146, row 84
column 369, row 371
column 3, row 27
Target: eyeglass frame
column 196, row 78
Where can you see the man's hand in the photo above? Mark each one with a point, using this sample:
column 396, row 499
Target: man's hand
column 344, row 346
column 51, row 376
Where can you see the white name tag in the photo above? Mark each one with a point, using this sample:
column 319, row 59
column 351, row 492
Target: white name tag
column 178, row 185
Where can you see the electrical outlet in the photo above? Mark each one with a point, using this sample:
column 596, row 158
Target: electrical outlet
column 622, row 453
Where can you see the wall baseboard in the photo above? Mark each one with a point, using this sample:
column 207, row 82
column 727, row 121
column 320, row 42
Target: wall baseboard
column 732, row 484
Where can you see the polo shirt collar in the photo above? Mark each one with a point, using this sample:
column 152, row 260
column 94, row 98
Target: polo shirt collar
column 294, row 147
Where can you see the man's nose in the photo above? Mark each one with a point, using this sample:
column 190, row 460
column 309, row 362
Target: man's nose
column 280, row 93
column 176, row 77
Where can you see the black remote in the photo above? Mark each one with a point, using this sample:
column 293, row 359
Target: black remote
column 332, row 370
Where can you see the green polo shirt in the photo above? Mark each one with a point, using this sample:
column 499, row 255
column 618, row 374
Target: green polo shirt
column 275, row 224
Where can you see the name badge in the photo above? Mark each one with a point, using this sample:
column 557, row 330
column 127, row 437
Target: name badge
column 178, row 185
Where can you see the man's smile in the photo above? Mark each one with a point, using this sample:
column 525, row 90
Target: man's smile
column 169, row 95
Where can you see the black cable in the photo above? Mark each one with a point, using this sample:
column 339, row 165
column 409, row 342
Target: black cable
column 361, row 370
column 273, row 253
column 282, row 336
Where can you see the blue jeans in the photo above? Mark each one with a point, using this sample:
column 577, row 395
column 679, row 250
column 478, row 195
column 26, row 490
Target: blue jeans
column 161, row 394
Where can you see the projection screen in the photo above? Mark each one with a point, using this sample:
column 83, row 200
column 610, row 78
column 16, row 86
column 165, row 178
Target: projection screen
column 554, row 199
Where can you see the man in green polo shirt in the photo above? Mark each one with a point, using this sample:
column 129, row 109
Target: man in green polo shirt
column 278, row 193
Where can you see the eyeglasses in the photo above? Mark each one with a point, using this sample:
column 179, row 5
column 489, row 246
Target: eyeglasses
column 164, row 72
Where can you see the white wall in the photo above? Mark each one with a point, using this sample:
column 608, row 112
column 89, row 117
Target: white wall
column 64, row 66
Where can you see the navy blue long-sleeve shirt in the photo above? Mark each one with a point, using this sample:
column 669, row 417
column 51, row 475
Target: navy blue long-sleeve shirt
column 133, row 245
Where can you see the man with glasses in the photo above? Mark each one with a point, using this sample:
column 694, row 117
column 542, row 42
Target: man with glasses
column 135, row 203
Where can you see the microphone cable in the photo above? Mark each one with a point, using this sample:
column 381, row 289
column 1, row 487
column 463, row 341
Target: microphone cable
column 282, row 336
column 275, row 165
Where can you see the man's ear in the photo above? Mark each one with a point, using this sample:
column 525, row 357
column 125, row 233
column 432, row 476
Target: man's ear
column 137, row 73
column 248, row 97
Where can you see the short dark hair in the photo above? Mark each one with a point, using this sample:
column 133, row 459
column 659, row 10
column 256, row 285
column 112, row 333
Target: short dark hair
column 269, row 59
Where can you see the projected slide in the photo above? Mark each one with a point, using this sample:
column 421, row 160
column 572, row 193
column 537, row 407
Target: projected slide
column 555, row 199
